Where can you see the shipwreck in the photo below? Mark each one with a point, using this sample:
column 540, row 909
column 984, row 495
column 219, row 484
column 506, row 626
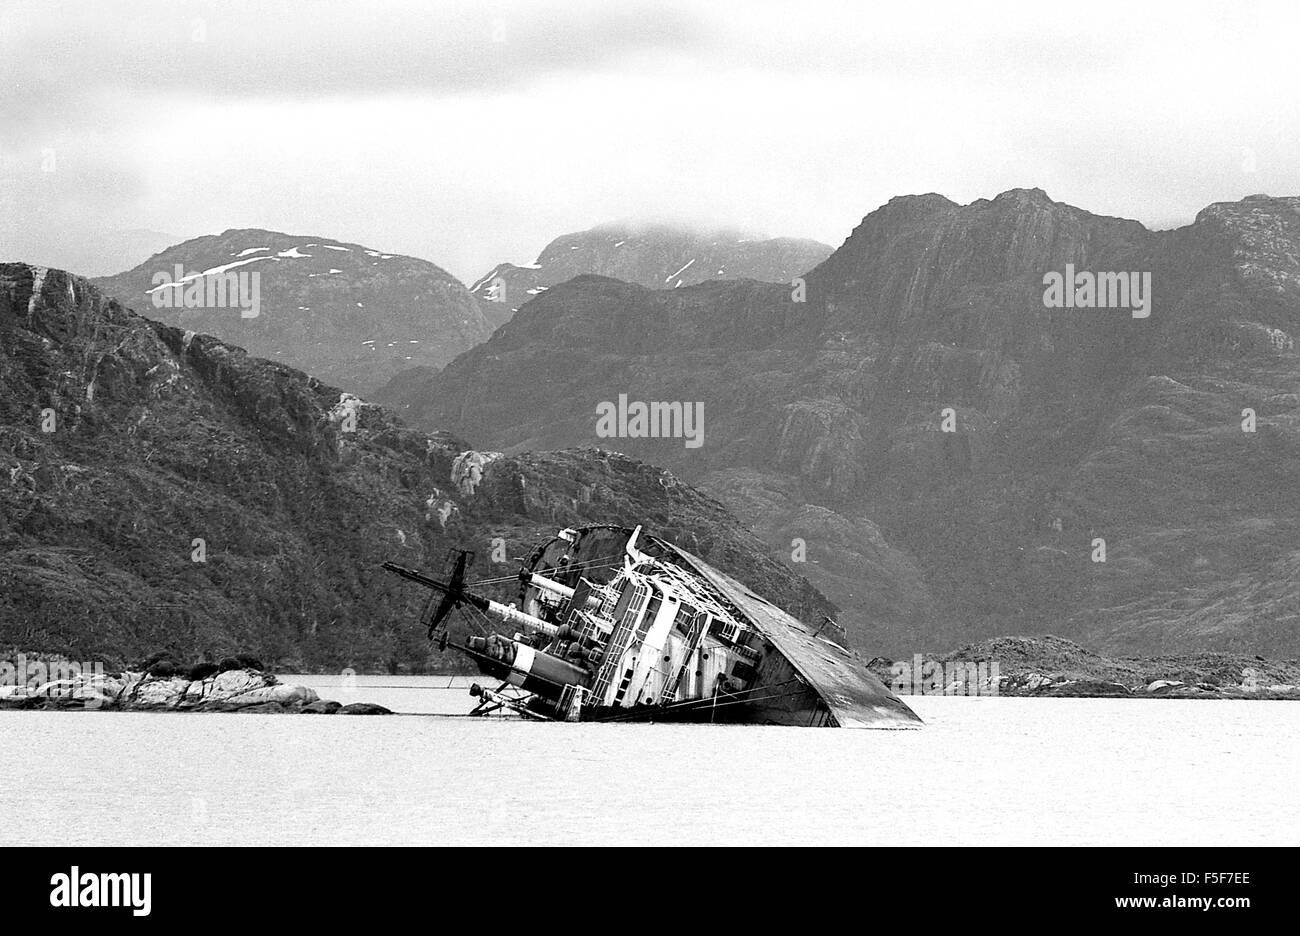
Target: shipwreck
column 617, row 625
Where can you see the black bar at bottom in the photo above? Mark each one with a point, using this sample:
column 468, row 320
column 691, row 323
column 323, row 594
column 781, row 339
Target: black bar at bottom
column 304, row 886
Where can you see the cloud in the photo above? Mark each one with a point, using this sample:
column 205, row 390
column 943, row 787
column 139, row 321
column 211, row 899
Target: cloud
column 473, row 132
column 291, row 49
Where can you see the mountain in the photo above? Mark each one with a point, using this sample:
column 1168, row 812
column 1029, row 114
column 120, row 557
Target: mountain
column 161, row 490
column 347, row 314
column 1174, row 437
column 657, row 256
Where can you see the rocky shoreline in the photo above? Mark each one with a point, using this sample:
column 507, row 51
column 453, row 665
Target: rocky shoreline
column 1050, row 666
column 243, row 690
column 1041, row 667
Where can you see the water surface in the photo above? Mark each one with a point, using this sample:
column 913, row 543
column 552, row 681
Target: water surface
column 982, row 771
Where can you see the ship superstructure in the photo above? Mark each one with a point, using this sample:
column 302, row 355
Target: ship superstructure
column 613, row 624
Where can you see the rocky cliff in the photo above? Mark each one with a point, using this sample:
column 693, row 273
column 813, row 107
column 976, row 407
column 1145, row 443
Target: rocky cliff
column 162, row 490
column 942, row 451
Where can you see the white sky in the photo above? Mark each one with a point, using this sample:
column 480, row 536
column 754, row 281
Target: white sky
column 469, row 133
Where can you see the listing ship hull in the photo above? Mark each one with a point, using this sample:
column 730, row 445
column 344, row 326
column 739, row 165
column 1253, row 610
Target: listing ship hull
column 617, row 625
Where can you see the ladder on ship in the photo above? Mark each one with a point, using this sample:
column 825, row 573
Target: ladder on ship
column 617, row 646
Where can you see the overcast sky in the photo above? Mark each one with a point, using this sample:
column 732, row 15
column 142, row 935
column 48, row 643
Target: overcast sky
column 469, row 133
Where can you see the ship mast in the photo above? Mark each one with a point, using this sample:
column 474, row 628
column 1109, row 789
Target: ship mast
column 457, row 593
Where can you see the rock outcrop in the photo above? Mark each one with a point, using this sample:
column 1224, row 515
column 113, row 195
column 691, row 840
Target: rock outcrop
column 230, row 691
column 363, row 708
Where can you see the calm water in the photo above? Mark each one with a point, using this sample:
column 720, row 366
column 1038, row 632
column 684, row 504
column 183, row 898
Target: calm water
column 983, row 771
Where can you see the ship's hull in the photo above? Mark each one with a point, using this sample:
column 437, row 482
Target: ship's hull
column 803, row 678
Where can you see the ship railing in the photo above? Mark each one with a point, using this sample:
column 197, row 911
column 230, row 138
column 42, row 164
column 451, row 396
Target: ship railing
column 702, row 594
column 595, row 627
column 608, row 600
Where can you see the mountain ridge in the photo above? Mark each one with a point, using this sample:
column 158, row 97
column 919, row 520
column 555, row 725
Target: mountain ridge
column 1068, row 425
column 349, row 314
column 657, row 255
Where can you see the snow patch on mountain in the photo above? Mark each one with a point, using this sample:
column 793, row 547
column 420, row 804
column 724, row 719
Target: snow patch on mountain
column 212, row 271
column 680, row 272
